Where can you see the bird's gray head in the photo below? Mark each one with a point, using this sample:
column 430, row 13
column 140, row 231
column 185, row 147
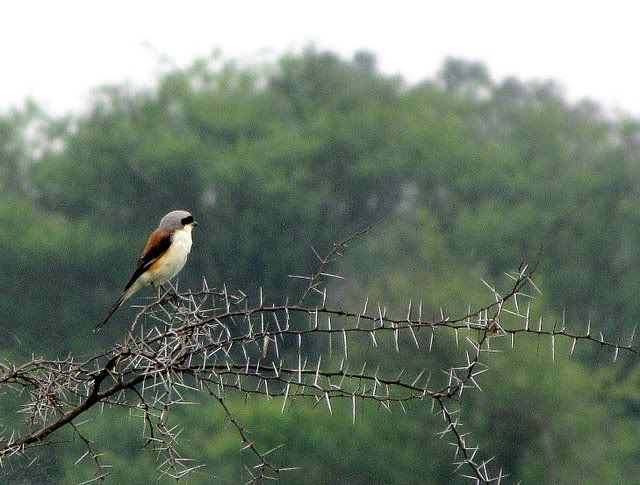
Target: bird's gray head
column 176, row 220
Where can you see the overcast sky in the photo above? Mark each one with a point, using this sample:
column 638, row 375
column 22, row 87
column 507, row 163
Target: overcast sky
column 57, row 51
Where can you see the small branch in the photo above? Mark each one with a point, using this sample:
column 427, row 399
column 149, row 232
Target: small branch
column 265, row 470
column 316, row 278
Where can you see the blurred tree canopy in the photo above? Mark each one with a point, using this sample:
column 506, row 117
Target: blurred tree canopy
column 463, row 176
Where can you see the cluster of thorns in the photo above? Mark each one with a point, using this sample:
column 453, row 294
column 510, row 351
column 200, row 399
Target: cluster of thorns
column 186, row 344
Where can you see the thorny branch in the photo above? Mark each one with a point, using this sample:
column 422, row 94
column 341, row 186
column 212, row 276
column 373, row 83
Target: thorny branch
column 212, row 343
column 317, row 277
column 263, row 470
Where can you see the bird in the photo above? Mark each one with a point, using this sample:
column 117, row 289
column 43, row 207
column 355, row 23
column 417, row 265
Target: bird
column 164, row 255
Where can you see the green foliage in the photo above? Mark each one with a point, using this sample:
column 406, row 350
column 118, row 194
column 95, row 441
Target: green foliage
column 328, row 449
column 557, row 423
column 464, row 177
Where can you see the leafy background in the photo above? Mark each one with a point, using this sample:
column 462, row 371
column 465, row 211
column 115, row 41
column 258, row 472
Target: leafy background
column 463, row 176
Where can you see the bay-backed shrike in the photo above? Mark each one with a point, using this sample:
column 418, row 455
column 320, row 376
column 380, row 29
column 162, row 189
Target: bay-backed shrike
column 164, row 255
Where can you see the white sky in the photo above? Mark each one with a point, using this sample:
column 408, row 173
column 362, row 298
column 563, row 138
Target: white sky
column 57, row 51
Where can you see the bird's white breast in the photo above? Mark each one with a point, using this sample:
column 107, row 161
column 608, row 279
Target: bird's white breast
column 175, row 258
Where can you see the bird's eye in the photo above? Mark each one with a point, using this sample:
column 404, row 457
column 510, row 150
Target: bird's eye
column 187, row 220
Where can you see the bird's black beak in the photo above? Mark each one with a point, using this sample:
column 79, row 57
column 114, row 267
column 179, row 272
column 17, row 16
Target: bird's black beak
column 195, row 223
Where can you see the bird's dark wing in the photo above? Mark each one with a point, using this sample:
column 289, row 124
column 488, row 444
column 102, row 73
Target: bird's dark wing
column 159, row 242
column 156, row 246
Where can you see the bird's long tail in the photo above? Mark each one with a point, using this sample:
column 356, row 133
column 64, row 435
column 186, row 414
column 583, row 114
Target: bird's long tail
column 115, row 306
